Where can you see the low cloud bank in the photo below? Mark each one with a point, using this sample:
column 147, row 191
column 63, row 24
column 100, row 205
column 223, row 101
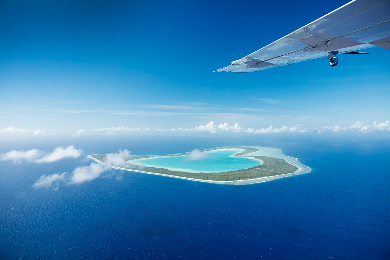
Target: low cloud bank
column 83, row 173
column 213, row 128
column 225, row 127
column 357, row 127
column 121, row 129
column 35, row 155
column 12, row 129
column 196, row 155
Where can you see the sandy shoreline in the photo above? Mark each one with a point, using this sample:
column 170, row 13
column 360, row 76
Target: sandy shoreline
column 299, row 171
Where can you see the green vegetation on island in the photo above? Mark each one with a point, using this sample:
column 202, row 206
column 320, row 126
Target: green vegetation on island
column 270, row 167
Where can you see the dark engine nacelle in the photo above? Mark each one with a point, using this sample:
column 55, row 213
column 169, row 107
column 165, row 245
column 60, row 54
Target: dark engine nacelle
column 333, row 61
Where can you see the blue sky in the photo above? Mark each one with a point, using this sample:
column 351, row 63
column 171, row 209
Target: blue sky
column 73, row 65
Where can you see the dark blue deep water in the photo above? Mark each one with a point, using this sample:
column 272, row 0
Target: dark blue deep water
column 341, row 210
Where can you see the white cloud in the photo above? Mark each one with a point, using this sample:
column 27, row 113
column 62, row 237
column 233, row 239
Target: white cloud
column 196, row 155
column 40, row 132
column 335, row 128
column 117, row 159
column 61, row 153
column 361, row 128
column 94, row 170
column 34, row 155
column 225, row 127
column 19, row 156
column 358, row 127
column 385, row 126
column 236, row 128
column 271, row 130
column 250, row 130
column 87, row 173
column 12, row 129
column 210, row 127
column 120, row 129
column 83, row 173
column 297, row 129
column 79, row 132
column 47, row 181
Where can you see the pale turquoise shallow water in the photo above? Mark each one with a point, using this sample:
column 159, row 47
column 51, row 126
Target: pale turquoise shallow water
column 215, row 161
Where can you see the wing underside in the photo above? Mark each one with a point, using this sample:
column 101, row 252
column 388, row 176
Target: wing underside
column 357, row 25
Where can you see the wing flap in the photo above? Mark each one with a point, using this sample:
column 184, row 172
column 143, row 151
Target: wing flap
column 383, row 43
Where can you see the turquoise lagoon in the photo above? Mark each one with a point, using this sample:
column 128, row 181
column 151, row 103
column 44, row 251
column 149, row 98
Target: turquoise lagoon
column 215, row 161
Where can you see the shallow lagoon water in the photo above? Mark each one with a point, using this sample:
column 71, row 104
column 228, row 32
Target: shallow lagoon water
column 215, row 161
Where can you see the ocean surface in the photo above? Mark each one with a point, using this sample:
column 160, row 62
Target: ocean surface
column 340, row 210
column 214, row 161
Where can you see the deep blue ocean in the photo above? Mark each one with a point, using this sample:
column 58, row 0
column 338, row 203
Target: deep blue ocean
column 341, row 210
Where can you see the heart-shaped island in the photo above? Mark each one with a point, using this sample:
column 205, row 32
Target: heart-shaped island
column 222, row 165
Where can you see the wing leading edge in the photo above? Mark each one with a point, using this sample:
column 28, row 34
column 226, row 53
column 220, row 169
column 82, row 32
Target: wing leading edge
column 359, row 24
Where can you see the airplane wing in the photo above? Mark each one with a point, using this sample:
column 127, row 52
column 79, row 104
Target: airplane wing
column 357, row 25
